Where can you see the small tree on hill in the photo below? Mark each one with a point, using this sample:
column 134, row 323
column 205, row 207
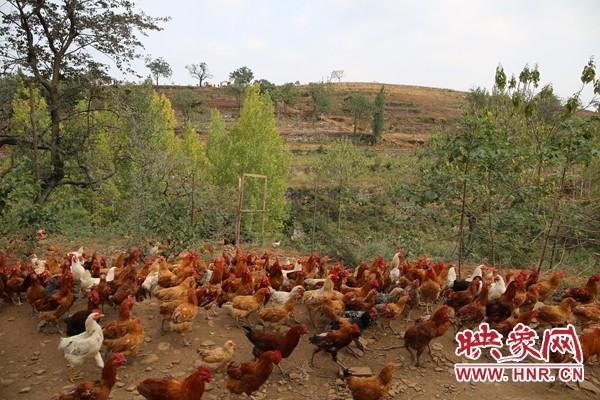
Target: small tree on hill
column 378, row 116
column 240, row 78
column 322, row 99
column 199, row 71
column 187, row 101
column 159, row 67
column 359, row 107
column 288, row 94
column 339, row 166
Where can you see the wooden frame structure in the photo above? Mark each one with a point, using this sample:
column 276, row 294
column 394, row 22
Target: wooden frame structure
column 240, row 210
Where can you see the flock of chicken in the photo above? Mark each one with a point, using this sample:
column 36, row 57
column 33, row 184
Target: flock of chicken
column 341, row 303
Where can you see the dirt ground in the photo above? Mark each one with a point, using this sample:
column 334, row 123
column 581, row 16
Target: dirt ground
column 32, row 368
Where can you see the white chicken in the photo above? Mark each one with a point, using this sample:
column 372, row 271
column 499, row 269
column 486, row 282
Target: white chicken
column 395, row 274
column 77, row 269
column 39, row 266
column 476, row 272
column 398, row 256
column 286, row 280
column 278, row 298
column 86, row 281
column 87, row 344
column 451, row 276
column 150, row 284
column 110, row 275
column 497, row 288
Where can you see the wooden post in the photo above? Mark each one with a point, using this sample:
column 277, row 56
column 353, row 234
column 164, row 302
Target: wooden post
column 193, row 205
column 241, row 210
column 238, row 218
column 264, row 212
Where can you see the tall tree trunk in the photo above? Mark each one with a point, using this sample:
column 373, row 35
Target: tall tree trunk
column 554, row 213
column 490, row 226
column 193, row 200
column 461, row 239
column 57, row 172
column 34, row 136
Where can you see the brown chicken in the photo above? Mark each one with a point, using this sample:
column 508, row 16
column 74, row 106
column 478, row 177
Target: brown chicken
column 129, row 343
column 14, row 283
column 590, row 343
column 419, row 336
column 98, row 390
column 508, row 303
column 35, row 291
column 126, row 285
column 372, row 388
column 275, row 275
column 474, row 312
column 587, row 314
column 270, row 341
column 191, row 388
column 250, row 376
column 461, row 298
column 277, row 316
column 506, row 326
column 166, row 278
column 556, row 315
column 218, row 271
column 542, row 290
column 430, row 288
column 119, row 327
column 58, row 303
column 353, row 292
column 334, row 341
column 184, row 314
column 586, row 294
column 243, row 306
column 390, row 311
column 175, row 292
column 362, row 303
column 104, row 291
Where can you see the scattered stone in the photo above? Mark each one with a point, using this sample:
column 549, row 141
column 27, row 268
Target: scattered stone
column 40, row 372
column 585, row 385
column 12, row 319
column 130, row 388
column 164, row 346
column 147, row 339
column 207, row 343
column 120, row 384
column 150, row 359
column 25, row 389
column 437, row 346
column 175, row 362
column 6, row 382
column 148, row 369
column 438, row 369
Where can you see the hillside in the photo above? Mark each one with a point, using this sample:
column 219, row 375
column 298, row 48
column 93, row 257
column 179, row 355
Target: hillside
column 412, row 113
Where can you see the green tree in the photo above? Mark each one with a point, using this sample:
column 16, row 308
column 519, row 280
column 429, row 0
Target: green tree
column 339, row 167
column 322, row 99
column 159, row 67
column 378, row 116
column 254, row 145
column 57, row 46
column 240, row 79
column 359, row 107
column 188, row 101
column 199, row 71
column 288, row 94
